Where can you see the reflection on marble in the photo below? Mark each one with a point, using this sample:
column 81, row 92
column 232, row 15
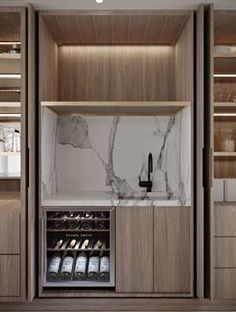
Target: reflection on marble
column 109, row 154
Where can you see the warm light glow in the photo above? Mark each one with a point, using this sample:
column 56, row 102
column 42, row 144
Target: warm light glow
column 99, row 1
column 224, row 114
column 9, row 42
column 11, row 76
column 9, row 115
column 224, row 75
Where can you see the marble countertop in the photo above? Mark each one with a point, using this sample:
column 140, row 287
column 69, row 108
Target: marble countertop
column 107, row 199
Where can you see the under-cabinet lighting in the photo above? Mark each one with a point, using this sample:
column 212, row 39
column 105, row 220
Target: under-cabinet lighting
column 9, row 42
column 225, row 114
column 12, row 76
column 224, row 75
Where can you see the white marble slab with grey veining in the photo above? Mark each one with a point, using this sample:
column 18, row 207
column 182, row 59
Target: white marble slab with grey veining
column 107, row 155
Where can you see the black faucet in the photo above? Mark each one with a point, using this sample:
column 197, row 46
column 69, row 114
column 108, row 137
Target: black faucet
column 148, row 183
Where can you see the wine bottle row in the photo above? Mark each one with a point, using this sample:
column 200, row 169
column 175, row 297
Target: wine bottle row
column 74, row 224
column 81, row 267
column 79, row 243
column 83, row 215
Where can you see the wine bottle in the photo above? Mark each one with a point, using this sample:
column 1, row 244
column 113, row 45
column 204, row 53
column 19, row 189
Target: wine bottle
column 104, row 272
column 93, row 266
column 86, row 224
column 100, row 225
column 78, row 244
column 67, row 266
column 72, row 244
column 100, row 215
column 86, row 215
column 53, row 268
column 59, row 243
column 98, row 244
column 81, row 266
column 85, row 244
column 73, row 224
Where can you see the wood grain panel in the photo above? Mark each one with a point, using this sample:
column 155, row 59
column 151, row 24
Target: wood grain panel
column 10, row 275
column 224, row 65
column 224, row 167
column 116, row 29
column 225, row 89
column 225, row 219
column 116, row 73
column 184, row 63
column 9, row 233
column 134, row 249
column 225, row 27
column 9, row 26
column 48, row 64
column 225, row 249
column 225, row 281
column 9, row 185
column 172, row 250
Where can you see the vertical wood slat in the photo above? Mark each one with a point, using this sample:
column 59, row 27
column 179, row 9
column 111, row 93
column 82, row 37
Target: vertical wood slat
column 208, row 149
column 32, row 139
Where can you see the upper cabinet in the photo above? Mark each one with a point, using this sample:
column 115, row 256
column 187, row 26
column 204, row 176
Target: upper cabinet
column 130, row 62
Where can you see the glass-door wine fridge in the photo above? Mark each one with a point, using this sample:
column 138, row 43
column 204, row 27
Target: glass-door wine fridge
column 78, row 247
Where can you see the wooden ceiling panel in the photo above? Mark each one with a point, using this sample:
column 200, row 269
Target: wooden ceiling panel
column 225, row 28
column 116, row 29
column 9, row 26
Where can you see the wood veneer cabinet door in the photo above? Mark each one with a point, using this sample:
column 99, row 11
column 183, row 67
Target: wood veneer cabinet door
column 172, row 250
column 10, row 276
column 134, row 249
column 9, row 233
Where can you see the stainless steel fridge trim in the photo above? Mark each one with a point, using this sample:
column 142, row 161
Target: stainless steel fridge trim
column 78, row 284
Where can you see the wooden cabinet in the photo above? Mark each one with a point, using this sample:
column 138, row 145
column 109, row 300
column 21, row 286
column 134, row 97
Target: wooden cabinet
column 154, row 250
column 9, row 233
column 10, row 275
column 172, row 250
column 134, row 249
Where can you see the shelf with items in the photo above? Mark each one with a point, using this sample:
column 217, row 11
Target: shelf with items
column 118, row 108
column 75, row 257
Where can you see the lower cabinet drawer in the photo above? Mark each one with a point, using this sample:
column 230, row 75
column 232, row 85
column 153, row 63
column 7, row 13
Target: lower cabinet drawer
column 225, row 248
column 9, row 275
column 225, row 283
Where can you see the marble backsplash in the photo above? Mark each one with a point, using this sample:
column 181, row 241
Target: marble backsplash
column 99, row 153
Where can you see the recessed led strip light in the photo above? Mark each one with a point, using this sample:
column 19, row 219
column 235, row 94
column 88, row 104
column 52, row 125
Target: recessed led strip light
column 224, row 114
column 11, row 76
column 9, row 42
column 224, row 75
column 10, row 115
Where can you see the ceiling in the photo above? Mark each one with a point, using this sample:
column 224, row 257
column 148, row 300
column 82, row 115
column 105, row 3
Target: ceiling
column 119, row 4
